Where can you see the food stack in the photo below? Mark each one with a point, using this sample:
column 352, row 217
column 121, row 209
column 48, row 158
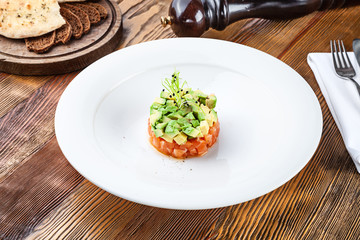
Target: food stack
column 46, row 23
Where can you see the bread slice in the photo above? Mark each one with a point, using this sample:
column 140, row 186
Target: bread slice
column 102, row 10
column 84, row 18
column 42, row 43
column 63, row 34
column 93, row 13
column 74, row 21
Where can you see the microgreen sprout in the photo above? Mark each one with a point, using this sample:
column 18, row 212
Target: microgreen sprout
column 174, row 86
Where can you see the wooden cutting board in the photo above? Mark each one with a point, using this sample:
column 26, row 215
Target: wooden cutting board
column 102, row 39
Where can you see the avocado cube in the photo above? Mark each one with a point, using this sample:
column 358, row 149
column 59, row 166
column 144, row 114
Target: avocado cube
column 200, row 133
column 182, row 121
column 174, row 115
column 194, row 107
column 160, row 125
column 200, row 94
column 174, row 124
column 188, row 97
column 204, row 127
column 164, row 94
column 154, row 106
column 213, row 115
column 180, row 139
column 167, row 138
column 155, row 117
column 182, row 112
column 190, row 115
column 171, row 128
column 192, row 132
column 206, row 109
column 186, row 125
column 192, row 104
column 186, row 109
column 209, row 119
column 195, row 123
column 211, row 101
column 170, row 103
column 172, row 134
column 170, row 109
column 165, row 119
column 200, row 115
column 160, row 100
column 153, row 128
column 158, row 132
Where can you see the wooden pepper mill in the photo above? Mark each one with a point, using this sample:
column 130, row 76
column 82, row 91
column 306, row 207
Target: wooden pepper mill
column 191, row 18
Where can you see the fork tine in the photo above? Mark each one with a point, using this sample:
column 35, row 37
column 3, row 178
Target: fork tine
column 336, row 53
column 344, row 63
column 332, row 52
column 346, row 54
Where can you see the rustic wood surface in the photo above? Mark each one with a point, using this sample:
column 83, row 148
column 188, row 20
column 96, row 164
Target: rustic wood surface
column 102, row 39
column 43, row 197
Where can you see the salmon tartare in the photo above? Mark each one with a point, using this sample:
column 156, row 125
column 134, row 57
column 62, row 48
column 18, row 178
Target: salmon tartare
column 183, row 122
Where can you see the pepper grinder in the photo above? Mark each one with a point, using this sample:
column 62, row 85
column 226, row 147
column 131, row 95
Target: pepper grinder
column 191, row 18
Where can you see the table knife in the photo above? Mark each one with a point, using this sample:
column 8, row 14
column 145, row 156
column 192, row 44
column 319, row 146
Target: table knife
column 356, row 49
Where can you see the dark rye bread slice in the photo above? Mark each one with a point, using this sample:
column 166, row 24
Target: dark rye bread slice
column 102, row 10
column 93, row 14
column 84, row 18
column 42, row 43
column 74, row 21
column 63, row 34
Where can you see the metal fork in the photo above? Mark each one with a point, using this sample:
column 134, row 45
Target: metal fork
column 343, row 66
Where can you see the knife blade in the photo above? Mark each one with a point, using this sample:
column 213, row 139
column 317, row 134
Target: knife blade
column 356, row 49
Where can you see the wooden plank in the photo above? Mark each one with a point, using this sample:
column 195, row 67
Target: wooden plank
column 142, row 21
column 15, row 89
column 36, row 188
column 92, row 213
column 29, row 125
column 272, row 37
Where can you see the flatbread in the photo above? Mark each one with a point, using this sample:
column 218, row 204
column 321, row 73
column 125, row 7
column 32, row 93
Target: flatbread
column 29, row 18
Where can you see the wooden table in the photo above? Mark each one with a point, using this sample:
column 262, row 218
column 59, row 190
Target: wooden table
column 42, row 196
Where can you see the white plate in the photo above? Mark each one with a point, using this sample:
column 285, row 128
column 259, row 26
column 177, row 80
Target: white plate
column 270, row 122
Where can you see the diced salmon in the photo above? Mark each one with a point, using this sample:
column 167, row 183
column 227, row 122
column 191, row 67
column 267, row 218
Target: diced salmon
column 208, row 139
column 192, row 148
column 193, row 152
column 156, row 142
column 202, row 148
column 179, row 153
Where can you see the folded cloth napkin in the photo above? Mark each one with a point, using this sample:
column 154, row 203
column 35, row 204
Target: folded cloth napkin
column 342, row 98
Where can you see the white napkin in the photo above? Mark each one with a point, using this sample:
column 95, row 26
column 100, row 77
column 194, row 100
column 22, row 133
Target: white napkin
column 342, row 98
